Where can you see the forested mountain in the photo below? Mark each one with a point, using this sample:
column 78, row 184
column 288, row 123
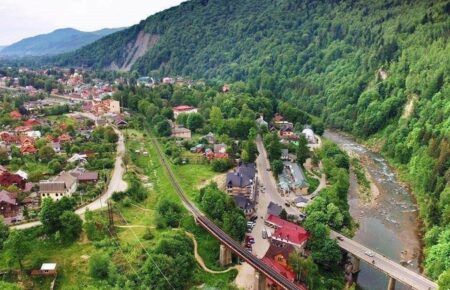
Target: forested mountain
column 377, row 69
column 58, row 41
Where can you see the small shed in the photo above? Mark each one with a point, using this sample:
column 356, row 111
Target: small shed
column 47, row 269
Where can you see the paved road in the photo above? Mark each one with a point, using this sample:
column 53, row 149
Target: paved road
column 393, row 269
column 115, row 184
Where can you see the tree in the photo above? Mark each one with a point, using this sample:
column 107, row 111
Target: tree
column 51, row 212
column 55, row 166
column 235, row 224
column 195, row 121
column 250, row 152
column 283, row 214
column 17, row 247
column 163, row 128
column 221, row 165
column 302, row 150
column 46, row 153
column 273, row 145
column 444, row 280
column 169, row 212
column 277, row 167
column 4, row 233
column 305, row 269
column 99, row 266
column 216, row 118
column 71, row 226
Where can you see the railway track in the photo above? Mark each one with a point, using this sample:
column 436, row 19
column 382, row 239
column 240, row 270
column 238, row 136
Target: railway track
column 218, row 233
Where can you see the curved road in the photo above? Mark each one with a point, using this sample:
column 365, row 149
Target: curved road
column 392, row 269
column 116, row 183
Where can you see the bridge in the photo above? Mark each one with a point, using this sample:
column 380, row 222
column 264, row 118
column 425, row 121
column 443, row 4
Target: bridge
column 393, row 270
column 262, row 269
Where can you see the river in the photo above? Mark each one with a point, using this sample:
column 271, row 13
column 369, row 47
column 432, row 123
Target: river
column 388, row 224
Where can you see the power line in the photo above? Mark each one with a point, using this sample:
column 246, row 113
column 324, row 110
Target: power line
column 148, row 254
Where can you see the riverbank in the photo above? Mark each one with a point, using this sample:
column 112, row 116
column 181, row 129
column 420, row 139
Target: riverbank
column 388, row 223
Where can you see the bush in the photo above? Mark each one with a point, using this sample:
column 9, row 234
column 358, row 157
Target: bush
column 148, row 235
column 99, row 266
column 221, row 165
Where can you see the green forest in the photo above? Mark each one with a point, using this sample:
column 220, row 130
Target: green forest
column 376, row 69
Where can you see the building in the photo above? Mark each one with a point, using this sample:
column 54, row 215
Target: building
column 62, row 185
column 84, row 176
column 8, row 179
column 293, row 179
column 220, row 148
column 277, row 258
column 226, row 88
column 261, row 123
column 274, row 209
column 286, row 233
column 47, row 269
column 183, row 109
column 210, row 138
column 245, row 204
column 180, row 132
column 9, row 206
column 15, row 115
column 243, row 181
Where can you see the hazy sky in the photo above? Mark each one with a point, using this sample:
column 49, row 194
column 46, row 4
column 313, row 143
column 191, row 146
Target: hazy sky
column 24, row 18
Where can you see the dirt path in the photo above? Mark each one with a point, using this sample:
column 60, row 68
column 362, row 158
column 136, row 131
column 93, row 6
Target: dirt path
column 199, row 259
column 135, row 226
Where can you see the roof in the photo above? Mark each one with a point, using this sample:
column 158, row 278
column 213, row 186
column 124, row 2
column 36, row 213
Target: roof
column 180, row 130
column 290, row 275
column 48, row 266
column 294, row 175
column 243, row 202
column 88, row 176
column 67, row 178
column 51, row 186
column 7, row 197
column 274, row 251
column 243, row 177
column 287, row 231
column 274, row 209
column 183, row 108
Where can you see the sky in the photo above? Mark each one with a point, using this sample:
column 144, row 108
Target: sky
column 25, row 18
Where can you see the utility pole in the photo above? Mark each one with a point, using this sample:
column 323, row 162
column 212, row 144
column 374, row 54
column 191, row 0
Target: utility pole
column 111, row 219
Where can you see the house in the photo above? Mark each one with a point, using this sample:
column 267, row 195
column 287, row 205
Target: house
column 33, row 134
column 16, row 115
column 286, row 132
column 87, row 177
column 31, row 201
column 65, row 138
column 119, row 121
column 22, row 129
column 62, row 185
column 9, row 206
column 180, row 132
column 274, row 209
column 197, row 148
column 9, row 138
column 286, row 233
column 8, row 179
column 293, row 179
column 56, row 146
column 28, row 149
column 210, row 138
column 183, row 109
column 245, row 204
column 168, row 80
column 277, row 258
column 77, row 158
column 220, row 148
column 47, row 269
column 31, row 122
column 22, row 174
column 243, row 181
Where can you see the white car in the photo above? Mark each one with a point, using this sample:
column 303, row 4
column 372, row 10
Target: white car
column 369, row 253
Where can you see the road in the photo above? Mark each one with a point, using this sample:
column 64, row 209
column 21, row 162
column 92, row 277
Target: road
column 392, row 269
column 116, row 183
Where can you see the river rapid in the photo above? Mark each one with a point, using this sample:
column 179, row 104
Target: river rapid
column 388, row 224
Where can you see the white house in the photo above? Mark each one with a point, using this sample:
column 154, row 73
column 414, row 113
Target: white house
column 62, row 185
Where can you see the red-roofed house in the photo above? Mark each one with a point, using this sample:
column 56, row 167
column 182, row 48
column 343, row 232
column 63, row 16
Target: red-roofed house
column 65, row 138
column 15, row 115
column 183, row 109
column 21, row 129
column 28, row 149
column 8, row 179
column 9, row 138
column 31, row 122
column 286, row 233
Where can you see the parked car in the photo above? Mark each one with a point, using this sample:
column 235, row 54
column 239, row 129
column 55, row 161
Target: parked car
column 287, row 204
column 340, row 238
column 253, row 218
column 264, row 234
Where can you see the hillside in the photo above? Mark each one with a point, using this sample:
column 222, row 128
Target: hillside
column 56, row 42
column 377, row 69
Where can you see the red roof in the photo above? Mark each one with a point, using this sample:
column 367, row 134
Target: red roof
column 31, row 122
column 23, row 128
column 15, row 115
column 7, row 197
column 9, row 138
column 28, row 149
column 183, row 108
column 65, row 137
column 278, row 118
column 290, row 275
column 288, row 231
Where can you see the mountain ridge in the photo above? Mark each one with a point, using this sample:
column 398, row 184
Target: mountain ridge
column 56, row 42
